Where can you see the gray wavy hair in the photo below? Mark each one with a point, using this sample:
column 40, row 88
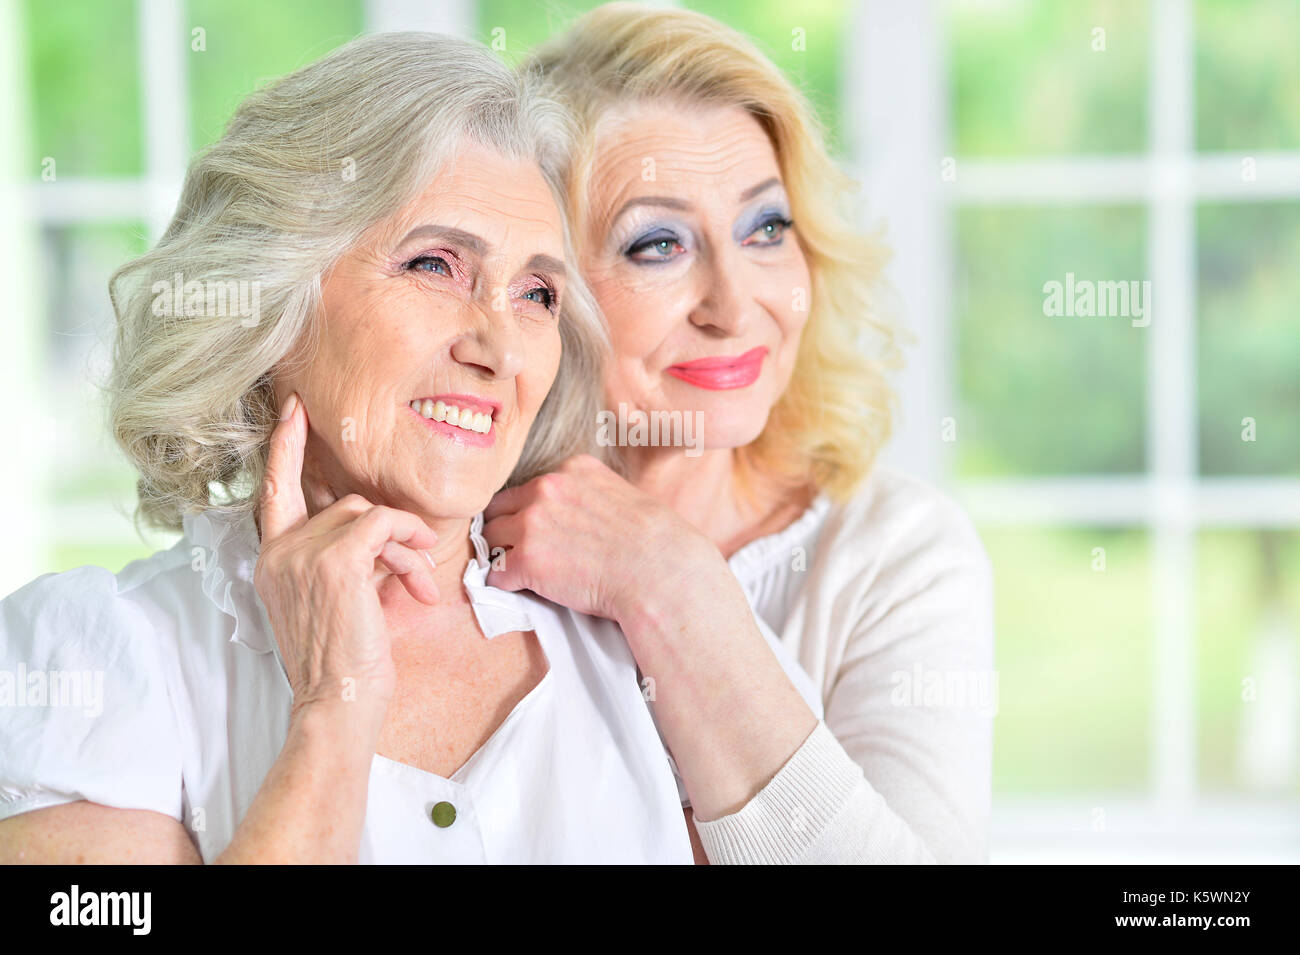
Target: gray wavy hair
column 305, row 167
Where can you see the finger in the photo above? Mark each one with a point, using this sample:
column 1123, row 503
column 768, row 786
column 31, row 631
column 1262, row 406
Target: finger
column 380, row 524
column 282, row 507
column 504, row 531
column 508, row 572
column 341, row 513
column 583, row 462
column 413, row 569
column 508, row 501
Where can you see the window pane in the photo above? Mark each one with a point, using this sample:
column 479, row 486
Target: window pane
column 805, row 40
column 810, row 57
column 78, row 261
column 1248, row 661
column 1247, row 74
column 93, row 488
column 521, row 26
column 1249, row 338
column 1040, row 394
column 84, row 65
column 1030, row 76
column 1073, row 658
column 249, row 42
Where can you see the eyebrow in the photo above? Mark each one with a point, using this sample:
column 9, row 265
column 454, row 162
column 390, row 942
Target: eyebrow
column 671, row 202
column 467, row 240
column 475, row 245
column 545, row 263
column 664, row 202
column 763, row 186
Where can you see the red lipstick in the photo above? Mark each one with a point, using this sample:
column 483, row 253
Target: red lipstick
column 723, row 372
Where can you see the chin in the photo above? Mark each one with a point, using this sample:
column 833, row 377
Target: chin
column 733, row 428
column 460, row 507
column 452, row 496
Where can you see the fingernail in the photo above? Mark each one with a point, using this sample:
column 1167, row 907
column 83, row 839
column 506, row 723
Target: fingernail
column 429, row 558
column 290, row 403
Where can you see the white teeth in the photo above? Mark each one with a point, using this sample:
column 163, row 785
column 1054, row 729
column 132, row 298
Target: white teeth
column 441, row 411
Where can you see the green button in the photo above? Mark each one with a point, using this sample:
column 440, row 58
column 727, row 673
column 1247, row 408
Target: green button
column 444, row 814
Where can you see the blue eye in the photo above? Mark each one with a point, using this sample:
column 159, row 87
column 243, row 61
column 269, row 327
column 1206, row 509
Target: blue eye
column 769, row 232
column 656, row 247
column 546, row 297
column 430, row 263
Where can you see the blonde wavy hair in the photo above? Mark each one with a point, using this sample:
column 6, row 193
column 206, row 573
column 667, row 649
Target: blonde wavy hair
column 837, row 412
column 305, row 167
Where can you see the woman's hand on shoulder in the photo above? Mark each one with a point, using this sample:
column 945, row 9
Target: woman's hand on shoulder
column 584, row 537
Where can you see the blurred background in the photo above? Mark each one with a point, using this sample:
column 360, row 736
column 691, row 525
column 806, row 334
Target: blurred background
column 1137, row 487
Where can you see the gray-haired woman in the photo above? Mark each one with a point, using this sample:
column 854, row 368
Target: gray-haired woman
column 318, row 671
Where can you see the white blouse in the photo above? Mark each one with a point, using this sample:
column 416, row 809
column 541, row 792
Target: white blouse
column 162, row 688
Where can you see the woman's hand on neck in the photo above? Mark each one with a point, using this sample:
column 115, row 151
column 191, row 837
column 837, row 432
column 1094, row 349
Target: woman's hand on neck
column 450, row 555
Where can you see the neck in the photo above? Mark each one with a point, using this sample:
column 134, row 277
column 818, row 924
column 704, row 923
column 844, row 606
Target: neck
column 706, row 492
column 451, row 554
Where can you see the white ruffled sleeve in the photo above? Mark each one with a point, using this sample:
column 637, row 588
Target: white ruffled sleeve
column 84, row 707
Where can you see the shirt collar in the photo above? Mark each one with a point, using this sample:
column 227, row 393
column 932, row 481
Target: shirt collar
column 757, row 557
column 497, row 611
column 228, row 546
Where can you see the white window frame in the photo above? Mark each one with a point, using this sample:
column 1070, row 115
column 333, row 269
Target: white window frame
column 898, row 109
column 895, row 114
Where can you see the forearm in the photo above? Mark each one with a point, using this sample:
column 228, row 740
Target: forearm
column 891, row 777
column 819, row 809
column 727, row 710
column 312, row 805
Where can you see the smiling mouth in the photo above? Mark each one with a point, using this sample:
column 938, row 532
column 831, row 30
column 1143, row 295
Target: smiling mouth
column 460, row 416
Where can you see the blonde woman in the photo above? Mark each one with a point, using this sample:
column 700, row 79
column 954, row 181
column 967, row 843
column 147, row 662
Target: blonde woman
column 317, row 671
column 711, row 230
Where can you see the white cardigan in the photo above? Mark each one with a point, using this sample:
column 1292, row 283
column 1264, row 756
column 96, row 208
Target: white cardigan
column 887, row 604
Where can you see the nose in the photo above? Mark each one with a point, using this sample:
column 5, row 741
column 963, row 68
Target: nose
column 723, row 307
column 493, row 344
